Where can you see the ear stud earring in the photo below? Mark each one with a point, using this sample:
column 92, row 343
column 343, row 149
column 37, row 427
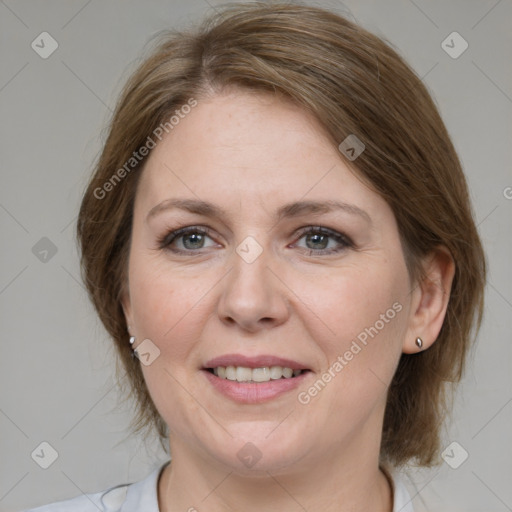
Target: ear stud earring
column 134, row 352
column 419, row 342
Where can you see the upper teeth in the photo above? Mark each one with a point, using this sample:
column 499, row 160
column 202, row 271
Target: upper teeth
column 244, row 374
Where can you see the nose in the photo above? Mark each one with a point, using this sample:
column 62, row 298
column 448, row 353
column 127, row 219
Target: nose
column 253, row 296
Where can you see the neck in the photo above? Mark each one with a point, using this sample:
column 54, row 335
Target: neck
column 336, row 484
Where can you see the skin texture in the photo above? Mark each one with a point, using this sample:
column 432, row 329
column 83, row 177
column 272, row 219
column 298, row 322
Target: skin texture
column 251, row 154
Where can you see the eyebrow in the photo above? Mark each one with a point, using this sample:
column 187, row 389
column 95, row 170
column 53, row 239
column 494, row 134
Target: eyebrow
column 290, row 210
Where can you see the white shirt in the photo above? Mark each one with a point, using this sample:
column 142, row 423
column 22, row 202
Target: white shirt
column 143, row 496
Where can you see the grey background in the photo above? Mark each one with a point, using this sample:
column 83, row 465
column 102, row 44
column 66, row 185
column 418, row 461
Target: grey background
column 57, row 370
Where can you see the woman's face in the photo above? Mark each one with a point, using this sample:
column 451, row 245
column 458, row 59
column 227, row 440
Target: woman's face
column 248, row 286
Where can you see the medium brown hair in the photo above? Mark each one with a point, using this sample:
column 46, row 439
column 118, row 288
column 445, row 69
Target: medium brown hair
column 353, row 83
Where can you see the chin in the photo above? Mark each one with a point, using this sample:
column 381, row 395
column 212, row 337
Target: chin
column 256, row 451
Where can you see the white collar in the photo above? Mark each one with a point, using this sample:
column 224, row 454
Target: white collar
column 402, row 501
column 141, row 495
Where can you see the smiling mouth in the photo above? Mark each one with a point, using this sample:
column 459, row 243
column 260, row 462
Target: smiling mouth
column 254, row 375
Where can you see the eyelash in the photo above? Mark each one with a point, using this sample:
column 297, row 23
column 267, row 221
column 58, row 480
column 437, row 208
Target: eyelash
column 165, row 241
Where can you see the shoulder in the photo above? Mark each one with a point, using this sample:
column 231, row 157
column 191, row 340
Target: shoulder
column 109, row 500
column 142, row 495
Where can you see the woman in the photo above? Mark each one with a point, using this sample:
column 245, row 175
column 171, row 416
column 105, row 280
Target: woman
column 283, row 376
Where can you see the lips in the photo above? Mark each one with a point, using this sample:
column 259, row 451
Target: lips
column 256, row 379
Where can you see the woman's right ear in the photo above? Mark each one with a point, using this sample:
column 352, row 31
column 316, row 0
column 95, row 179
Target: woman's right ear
column 127, row 310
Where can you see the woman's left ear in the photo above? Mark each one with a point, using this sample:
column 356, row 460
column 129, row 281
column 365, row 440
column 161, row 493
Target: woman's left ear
column 430, row 298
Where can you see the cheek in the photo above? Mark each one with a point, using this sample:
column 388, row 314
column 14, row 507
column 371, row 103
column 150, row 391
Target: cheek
column 166, row 306
column 171, row 306
column 365, row 311
column 355, row 301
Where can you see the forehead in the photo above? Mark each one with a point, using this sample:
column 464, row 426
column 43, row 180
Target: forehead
column 246, row 146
